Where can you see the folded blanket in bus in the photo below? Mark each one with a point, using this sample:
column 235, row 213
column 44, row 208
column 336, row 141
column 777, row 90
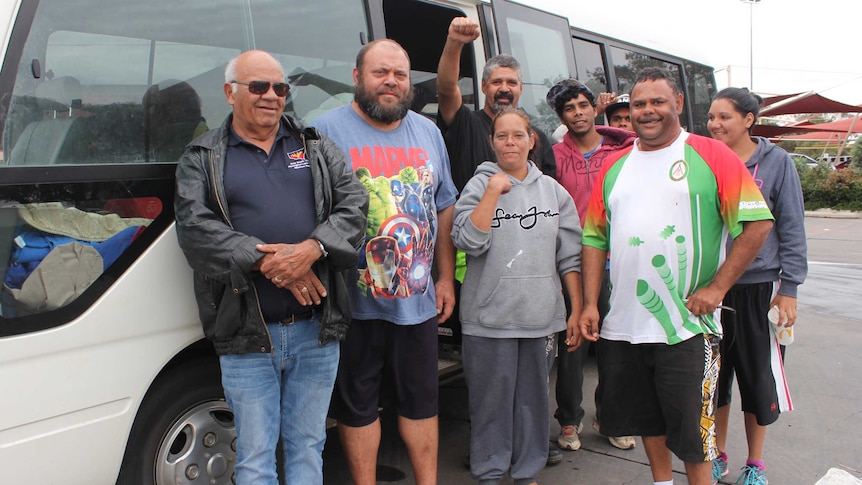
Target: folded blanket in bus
column 32, row 248
column 54, row 218
column 65, row 272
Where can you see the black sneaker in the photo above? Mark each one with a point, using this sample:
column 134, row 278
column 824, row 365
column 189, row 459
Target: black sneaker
column 554, row 456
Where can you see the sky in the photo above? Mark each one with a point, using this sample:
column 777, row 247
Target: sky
column 797, row 45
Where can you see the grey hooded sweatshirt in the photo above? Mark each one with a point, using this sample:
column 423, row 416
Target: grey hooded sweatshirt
column 784, row 255
column 512, row 288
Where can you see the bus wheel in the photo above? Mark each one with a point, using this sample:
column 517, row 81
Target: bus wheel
column 184, row 431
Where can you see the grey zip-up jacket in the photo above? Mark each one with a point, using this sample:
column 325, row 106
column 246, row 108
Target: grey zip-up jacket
column 222, row 258
column 784, row 255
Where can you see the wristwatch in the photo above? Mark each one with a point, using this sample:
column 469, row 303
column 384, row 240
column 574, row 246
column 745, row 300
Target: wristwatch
column 322, row 249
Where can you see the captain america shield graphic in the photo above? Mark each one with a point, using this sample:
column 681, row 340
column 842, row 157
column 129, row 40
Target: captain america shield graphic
column 408, row 233
column 404, row 229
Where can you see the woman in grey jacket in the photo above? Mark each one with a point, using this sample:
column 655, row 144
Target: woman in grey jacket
column 520, row 231
column 750, row 348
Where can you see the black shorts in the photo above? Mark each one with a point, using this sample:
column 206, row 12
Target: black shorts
column 750, row 352
column 374, row 349
column 662, row 390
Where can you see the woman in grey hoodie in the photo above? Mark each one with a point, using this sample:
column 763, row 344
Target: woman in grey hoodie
column 750, row 348
column 520, row 231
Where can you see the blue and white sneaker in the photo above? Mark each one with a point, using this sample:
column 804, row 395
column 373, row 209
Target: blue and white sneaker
column 752, row 475
column 719, row 469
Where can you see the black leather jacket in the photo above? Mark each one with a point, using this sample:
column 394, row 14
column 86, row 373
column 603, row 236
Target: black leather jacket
column 222, row 258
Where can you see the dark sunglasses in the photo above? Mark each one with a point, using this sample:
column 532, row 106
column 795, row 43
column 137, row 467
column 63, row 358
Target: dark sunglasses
column 261, row 87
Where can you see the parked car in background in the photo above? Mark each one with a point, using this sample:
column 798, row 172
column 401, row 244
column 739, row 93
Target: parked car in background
column 808, row 162
column 843, row 162
column 837, row 162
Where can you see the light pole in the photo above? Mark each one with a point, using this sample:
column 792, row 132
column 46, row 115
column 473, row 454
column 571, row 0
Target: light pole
column 751, row 40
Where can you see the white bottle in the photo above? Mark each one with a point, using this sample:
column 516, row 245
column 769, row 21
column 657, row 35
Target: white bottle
column 783, row 334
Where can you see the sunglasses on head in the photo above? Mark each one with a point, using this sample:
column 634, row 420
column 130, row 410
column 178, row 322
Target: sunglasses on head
column 261, row 87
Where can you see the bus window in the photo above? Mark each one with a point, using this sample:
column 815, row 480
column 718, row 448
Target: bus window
column 701, row 90
column 590, row 65
column 541, row 42
column 94, row 98
column 52, row 252
column 626, row 64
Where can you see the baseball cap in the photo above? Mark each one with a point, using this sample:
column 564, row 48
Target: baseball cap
column 621, row 101
column 570, row 87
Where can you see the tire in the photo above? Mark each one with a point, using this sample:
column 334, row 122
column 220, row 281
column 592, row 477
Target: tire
column 184, row 432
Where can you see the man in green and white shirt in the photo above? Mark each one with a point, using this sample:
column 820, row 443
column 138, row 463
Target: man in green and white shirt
column 664, row 208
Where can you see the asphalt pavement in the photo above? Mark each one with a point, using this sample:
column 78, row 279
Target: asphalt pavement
column 820, row 442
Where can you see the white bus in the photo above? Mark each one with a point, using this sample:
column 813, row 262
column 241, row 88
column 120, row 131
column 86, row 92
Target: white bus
column 104, row 373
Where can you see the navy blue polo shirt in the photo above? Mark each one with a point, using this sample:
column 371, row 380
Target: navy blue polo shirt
column 270, row 196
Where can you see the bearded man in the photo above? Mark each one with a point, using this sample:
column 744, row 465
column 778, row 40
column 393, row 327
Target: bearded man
column 466, row 131
column 396, row 305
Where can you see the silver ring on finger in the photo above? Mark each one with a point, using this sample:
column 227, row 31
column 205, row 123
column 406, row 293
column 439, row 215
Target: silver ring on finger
column 277, row 279
column 304, row 289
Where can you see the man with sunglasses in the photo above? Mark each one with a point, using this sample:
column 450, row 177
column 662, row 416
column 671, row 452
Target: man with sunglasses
column 270, row 218
column 400, row 157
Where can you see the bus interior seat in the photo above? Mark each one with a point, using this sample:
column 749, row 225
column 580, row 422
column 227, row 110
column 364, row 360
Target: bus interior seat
column 42, row 140
column 64, row 90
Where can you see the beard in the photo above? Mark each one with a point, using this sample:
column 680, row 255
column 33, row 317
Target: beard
column 501, row 96
column 367, row 102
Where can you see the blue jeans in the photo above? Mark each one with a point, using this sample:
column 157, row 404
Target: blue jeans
column 287, row 391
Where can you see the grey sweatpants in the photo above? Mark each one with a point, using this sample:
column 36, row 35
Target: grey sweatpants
column 507, row 383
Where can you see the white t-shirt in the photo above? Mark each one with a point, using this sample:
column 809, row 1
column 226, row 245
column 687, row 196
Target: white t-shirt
column 665, row 216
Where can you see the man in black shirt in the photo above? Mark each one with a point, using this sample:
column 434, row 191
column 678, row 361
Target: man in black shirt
column 466, row 131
